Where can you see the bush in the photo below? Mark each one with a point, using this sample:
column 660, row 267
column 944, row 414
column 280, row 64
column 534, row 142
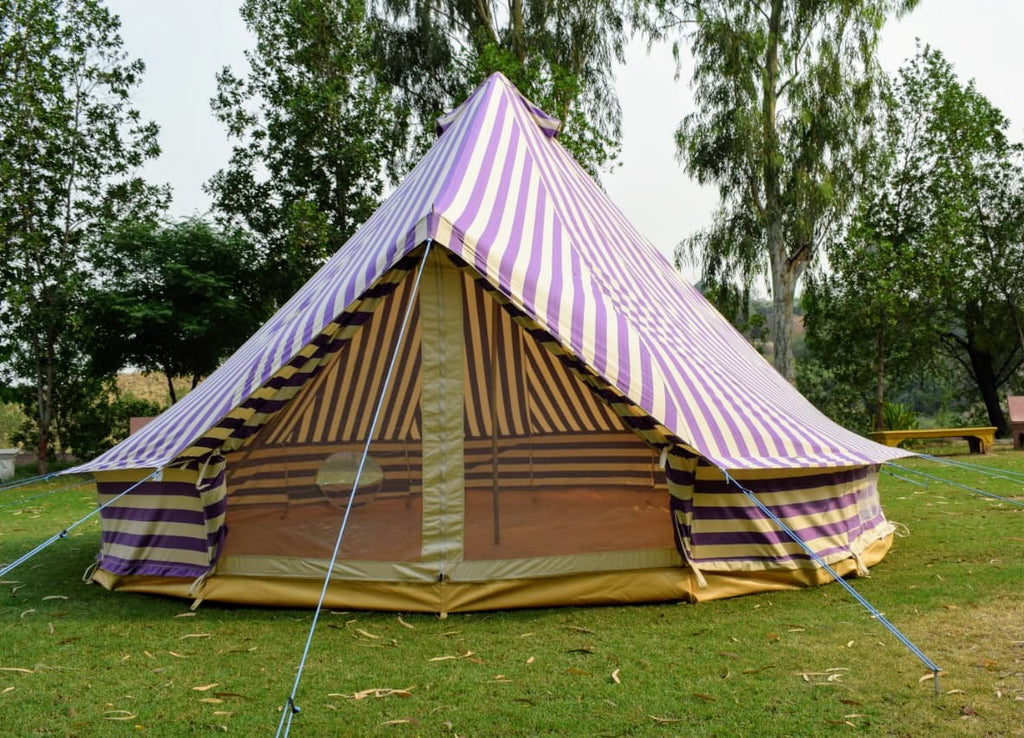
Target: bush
column 898, row 416
column 11, row 419
column 95, row 429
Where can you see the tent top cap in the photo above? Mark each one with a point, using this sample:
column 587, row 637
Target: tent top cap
column 548, row 125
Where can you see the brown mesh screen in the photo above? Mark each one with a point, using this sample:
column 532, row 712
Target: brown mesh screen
column 550, row 469
column 288, row 487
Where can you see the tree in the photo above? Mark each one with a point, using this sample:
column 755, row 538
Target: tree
column 934, row 258
column 559, row 53
column 70, row 142
column 783, row 89
column 972, row 178
column 316, row 133
column 176, row 298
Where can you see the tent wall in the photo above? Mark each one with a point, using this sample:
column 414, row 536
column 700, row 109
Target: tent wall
column 171, row 527
column 502, row 473
column 835, row 511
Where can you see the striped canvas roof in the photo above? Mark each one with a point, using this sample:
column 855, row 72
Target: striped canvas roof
column 499, row 191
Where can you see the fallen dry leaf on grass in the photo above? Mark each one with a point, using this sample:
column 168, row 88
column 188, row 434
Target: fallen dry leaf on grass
column 376, row 692
column 615, row 677
column 212, row 700
column 401, row 721
column 465, row 655
column 119, row 715
column 705, row 697
column 185, row 615
column 405, row 624
column 206, row 687
column 17, row 669
column 195, row 635
column 367, row 634
column 54, row 597
column 661, row 720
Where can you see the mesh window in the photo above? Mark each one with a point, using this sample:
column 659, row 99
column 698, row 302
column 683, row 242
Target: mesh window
column 550, row 468
column 288, row 488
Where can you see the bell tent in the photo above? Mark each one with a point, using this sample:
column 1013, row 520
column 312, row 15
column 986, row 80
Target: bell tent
column 557, row 418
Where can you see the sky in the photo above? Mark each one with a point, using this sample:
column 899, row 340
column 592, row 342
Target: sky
column 185, row 42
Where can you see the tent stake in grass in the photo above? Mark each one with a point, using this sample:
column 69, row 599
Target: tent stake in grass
column 932, row 666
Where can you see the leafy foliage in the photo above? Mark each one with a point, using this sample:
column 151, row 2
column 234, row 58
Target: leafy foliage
column 783, row 90
column 315, row 131
column 175, row 298
column 898, row 416
column 932, row 266
column 560, row 54
column 70, row 142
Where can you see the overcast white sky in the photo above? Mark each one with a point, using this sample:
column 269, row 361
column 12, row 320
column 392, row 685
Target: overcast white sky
column 185, row 42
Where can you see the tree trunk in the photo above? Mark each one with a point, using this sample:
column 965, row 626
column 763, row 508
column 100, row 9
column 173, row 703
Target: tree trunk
column 783, row 284
column 985, row 378
column 170, row 386
column 783, row 272
column 880, row 388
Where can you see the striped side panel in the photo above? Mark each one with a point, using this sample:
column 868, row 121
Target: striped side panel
column 168, row 528
column 835, row 511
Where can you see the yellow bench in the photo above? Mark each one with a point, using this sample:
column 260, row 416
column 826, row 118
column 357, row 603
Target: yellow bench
column 980, row 439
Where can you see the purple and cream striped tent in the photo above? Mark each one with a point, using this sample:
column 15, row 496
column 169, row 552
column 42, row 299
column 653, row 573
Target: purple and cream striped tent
column 562, row 425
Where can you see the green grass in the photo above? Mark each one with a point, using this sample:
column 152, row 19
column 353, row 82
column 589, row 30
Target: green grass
column 807, row 662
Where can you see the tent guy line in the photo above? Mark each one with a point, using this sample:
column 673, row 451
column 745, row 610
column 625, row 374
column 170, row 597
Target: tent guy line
column 909, row 480
column 1006, row 474
column 291, row 708
column 22, row 501
column 872, row 610
column 30, row 480
column 63, row 534
column 926, row 475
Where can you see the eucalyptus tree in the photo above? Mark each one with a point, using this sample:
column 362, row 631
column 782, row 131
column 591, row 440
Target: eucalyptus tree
column 783, row 92
column 70, row 145
column 315, row 132
column 559, row 53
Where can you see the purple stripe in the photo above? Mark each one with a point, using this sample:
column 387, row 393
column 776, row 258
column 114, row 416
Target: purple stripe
column 154, row 515
column 768, row 538
column 150, row 567
column 807, row 507
column 144, row 541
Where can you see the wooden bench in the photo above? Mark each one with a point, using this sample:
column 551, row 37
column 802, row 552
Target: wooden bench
column 980, row 439
column 1016, row 407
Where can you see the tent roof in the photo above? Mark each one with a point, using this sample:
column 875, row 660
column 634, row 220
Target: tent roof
column 499, row 191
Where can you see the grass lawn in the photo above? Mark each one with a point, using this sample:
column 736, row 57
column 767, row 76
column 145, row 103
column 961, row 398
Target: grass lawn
column 77, row 660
